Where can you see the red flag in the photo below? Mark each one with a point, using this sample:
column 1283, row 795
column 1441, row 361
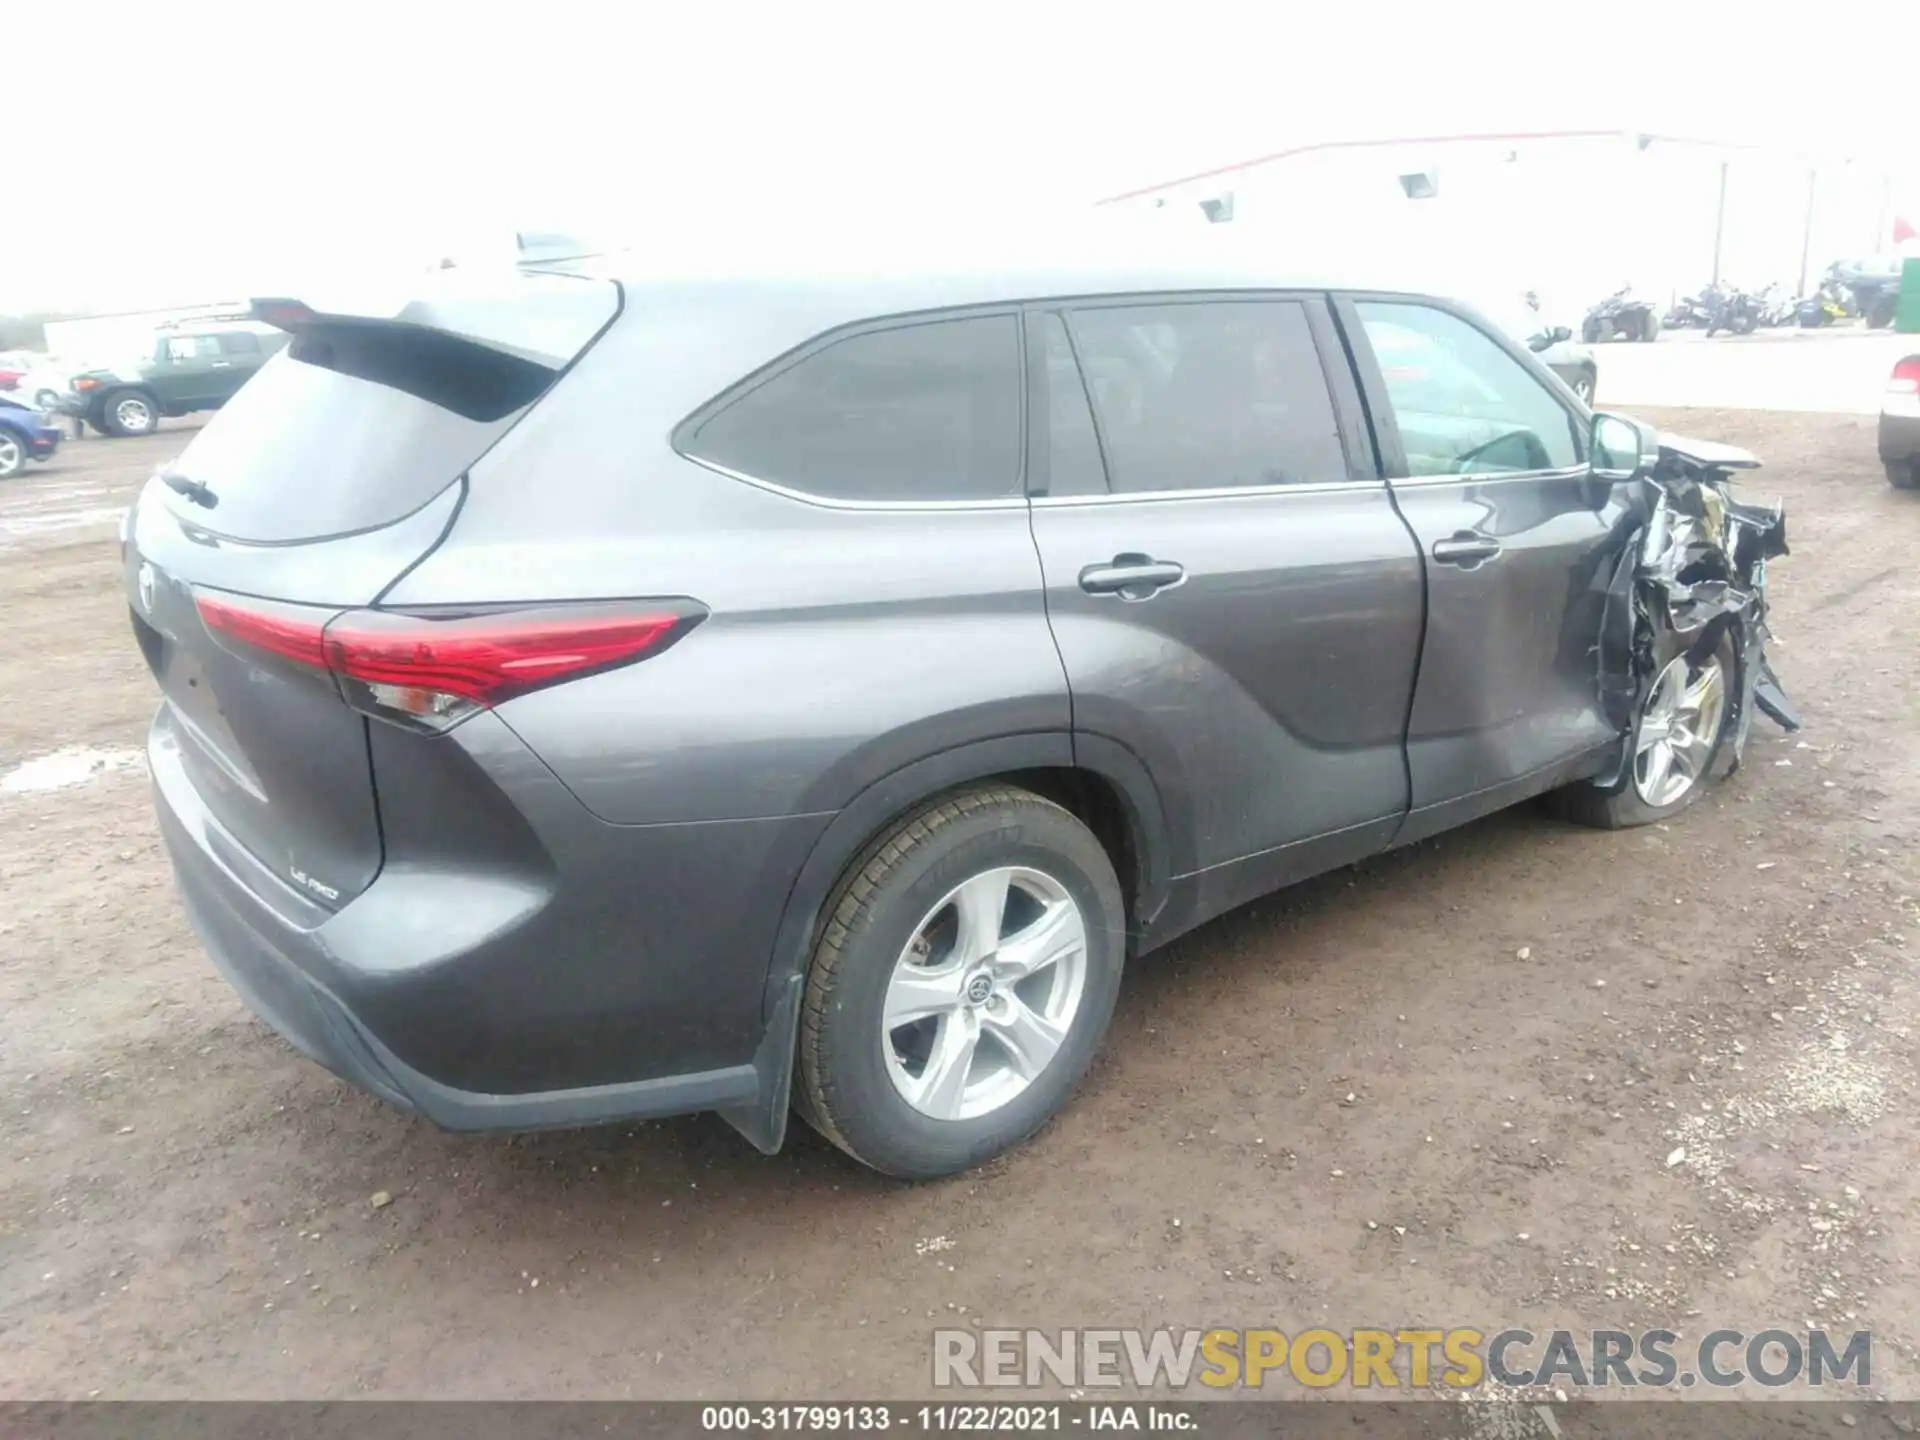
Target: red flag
column 1903, row 230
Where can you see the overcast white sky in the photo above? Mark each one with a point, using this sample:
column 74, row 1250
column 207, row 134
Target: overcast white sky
column 214, row 148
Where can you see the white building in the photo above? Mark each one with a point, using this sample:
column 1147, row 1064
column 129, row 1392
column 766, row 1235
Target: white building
column 1574, row 215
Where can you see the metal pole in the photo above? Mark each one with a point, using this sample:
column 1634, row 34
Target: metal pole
column 1719, row 222
column 1806, row 235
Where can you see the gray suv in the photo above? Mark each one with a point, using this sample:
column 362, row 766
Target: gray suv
column 592, row 694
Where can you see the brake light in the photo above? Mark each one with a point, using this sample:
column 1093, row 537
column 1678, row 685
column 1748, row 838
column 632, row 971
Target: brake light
column 431, row 671
column 1903, row 388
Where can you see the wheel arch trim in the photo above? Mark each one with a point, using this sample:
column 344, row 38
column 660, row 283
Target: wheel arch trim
column 763, row 1122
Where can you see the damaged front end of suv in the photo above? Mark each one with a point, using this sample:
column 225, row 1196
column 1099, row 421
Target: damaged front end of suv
column 1689, row 584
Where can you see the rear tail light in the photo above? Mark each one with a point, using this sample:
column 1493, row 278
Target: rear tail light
column 1903, row 388
column 431, row 670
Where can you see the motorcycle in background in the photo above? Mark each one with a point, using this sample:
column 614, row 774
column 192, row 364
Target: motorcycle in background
column 1620, row 317
column 1828, row 305
column 1689, row 311
column 1735, row 311
column 1777, row 306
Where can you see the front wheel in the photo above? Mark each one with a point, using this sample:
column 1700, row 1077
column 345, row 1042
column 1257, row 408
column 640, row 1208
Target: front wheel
column 1676, row 740
column 964, row 978
column 13, row 455
column 129, row 412
column 1583, row 386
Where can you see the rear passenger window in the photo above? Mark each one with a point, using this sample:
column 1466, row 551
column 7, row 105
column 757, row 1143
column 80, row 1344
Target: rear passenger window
column 1209, row 395
column 920, row 412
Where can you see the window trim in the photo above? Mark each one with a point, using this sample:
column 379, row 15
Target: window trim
column 1039, row 405
column 682, row 435
column 1379, row 404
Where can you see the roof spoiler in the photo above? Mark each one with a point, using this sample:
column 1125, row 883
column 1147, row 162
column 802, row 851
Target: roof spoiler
column 541, row 317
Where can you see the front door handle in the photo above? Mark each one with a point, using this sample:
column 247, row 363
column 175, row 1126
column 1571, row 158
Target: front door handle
column 1131, row 577
column 1466, row 548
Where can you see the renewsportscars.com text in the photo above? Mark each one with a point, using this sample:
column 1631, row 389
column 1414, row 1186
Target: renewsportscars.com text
column 1413, row 1359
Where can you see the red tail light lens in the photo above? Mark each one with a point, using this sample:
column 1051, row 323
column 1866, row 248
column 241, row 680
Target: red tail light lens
column 291, row 637
column 1903, row 388
column 432, row 670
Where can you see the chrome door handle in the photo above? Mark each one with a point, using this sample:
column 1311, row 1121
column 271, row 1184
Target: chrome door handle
column 1131, row 577
column 1466, row 548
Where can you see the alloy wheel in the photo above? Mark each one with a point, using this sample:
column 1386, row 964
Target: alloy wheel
column 1678, row 728
column 133, row 414
column 984, row 994
column 12, row 457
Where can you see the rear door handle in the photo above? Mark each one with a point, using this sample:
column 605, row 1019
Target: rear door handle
column 1131, row 577
column 1466, row 548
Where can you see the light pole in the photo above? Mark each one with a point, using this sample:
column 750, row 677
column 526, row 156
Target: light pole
column 1719, row 222
column 1806, row 233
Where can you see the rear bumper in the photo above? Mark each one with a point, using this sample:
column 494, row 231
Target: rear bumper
column 1899, row 438
column 451, row 1010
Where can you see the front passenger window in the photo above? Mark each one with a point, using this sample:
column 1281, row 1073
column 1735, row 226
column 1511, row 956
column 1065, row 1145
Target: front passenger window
column 1464, row 406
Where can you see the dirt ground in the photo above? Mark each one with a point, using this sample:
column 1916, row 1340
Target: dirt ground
column 1442, row 1088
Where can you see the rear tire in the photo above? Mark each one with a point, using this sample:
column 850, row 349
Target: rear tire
column 914, row 908
column 1904, row 474
column 1590, row 331
column 129, row 412
column 1635, row 801
column 13, row 455
column 1584, row 384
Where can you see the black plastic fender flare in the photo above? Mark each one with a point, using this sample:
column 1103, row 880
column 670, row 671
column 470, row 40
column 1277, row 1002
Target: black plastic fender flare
column 764, row 1122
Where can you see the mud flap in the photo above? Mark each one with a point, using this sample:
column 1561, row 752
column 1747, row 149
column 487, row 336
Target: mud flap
column 764, row 1121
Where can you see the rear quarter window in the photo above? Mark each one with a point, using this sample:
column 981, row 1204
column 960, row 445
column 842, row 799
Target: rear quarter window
column 925, row 411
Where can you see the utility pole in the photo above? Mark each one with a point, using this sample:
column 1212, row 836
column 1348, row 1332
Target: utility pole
column 1806, row 234
column 1719, row 222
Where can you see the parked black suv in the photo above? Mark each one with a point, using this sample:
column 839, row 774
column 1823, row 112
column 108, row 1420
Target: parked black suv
column 189, row 368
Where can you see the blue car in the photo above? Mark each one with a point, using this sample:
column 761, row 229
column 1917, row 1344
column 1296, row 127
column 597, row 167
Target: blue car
column 25, row 434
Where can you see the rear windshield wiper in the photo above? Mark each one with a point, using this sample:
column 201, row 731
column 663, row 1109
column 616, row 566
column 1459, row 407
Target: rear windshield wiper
column 196, row 492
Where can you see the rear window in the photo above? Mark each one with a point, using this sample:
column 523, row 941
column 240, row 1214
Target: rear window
column 361, row 420
column 926, row 412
